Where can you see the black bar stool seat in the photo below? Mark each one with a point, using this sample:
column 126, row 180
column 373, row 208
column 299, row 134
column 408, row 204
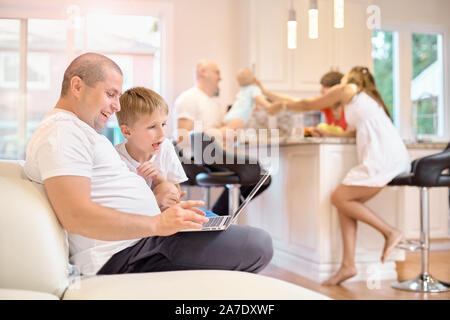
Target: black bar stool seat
column 402, row 180
column 217, row 179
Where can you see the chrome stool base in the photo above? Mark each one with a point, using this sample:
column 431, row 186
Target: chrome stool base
column 422, row 283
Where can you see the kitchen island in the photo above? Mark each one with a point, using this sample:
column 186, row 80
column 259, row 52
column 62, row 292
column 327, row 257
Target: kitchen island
column 297, row 212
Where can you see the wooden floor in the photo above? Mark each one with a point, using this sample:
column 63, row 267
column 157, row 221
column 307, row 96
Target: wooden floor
column 439, row 268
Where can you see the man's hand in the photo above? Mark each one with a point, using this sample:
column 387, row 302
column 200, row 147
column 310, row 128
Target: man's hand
column 183, row 215
column 148, row 170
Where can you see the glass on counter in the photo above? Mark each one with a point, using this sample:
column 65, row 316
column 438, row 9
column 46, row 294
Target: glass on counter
column 297, row 125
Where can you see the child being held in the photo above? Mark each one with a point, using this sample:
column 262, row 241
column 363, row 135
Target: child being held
column 147, row 151
column 248, row 96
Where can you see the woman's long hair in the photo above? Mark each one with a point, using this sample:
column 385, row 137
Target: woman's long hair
column 364, row 80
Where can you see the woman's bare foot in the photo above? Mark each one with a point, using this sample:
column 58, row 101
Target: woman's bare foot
column 391, row 242
column 343, row 274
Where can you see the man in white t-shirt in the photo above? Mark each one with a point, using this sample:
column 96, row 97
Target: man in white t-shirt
column 198, row 110
column 111, row 215
column 200, row 103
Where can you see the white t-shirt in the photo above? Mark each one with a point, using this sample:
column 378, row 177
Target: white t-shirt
column 195, row 105
column 64, row 145
column 166, row 160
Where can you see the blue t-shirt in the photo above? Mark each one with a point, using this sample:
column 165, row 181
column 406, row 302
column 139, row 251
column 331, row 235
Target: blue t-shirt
column 243, row 105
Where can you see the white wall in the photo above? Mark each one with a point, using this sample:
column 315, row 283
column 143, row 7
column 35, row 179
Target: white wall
column 206, row 29
column 415, row 11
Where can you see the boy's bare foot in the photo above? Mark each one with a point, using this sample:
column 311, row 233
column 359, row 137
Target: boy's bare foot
column 391, row 242
column 343, row 274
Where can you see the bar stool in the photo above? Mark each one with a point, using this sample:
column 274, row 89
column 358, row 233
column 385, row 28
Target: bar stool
column 426, row 172
column 227, row 179
column 192, row 170
column 223, row 169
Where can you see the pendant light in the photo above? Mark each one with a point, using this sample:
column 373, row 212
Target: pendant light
column 292, row 29
column 339, row 14
column 313, row 20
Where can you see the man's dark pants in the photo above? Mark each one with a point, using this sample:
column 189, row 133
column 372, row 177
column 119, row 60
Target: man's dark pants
column 241, row 248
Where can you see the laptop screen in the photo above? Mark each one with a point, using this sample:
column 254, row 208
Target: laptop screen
column 251, row 195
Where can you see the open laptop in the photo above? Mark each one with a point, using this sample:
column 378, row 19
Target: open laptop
column 223, row 222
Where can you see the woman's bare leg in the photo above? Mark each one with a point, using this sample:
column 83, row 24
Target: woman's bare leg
column 354, row 199
column 349, row 200
column 348, row 268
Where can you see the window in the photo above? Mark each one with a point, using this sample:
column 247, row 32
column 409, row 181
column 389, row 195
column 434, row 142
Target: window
column 383, row 54
column 9, row 88
column 46, row 61
column 427, row 84
column 133, row 42
column 9, row 66
column 416, row 60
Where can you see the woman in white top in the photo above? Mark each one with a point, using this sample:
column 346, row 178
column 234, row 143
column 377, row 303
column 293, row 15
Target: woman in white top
column 382, row 155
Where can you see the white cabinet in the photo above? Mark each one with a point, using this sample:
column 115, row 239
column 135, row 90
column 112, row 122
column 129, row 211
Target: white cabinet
column 313, row 57
column 353, row 43
column 300, row 69
column 268, row 43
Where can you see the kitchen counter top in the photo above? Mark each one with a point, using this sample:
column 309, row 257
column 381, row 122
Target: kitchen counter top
column 314, row 140
column 296, row 140
column 426, row 145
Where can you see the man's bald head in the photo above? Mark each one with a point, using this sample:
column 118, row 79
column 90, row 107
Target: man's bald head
column 207, row 76
column 89, row 67
column 204, row 65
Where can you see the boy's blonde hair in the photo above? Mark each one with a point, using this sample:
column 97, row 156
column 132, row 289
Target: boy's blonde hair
column 245, row 77
column 139, row 101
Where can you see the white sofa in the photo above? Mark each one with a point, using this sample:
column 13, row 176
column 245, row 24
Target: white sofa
column 34, row 260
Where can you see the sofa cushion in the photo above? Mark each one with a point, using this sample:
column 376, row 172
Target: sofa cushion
column 12, row 294
column 33, row 246
column 185, row 285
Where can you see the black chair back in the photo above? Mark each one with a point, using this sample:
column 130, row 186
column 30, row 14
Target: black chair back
column 190, row 168
column 430, row 171
column 210, row 154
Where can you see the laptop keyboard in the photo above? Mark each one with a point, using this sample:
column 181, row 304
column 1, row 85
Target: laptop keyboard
column 216, row 222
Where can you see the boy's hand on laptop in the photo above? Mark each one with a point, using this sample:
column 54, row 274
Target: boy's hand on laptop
column 182, row 194
column 183, row 215
column 148, row 170
column 166, row 194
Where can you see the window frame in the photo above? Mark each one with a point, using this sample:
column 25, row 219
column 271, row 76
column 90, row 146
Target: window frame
column 395, row 66
column 403, row 77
